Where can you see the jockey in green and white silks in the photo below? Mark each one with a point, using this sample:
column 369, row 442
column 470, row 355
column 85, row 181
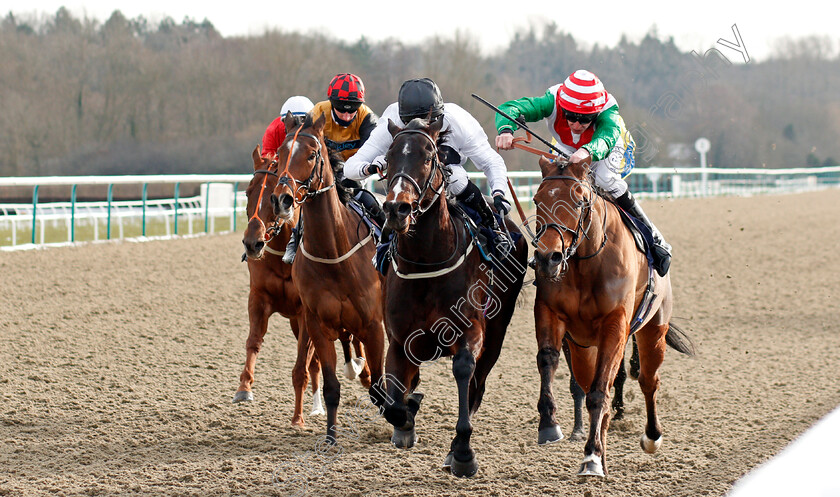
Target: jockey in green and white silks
column 583, row 118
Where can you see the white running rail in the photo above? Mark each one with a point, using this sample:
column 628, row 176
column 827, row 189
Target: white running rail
column 56, row 223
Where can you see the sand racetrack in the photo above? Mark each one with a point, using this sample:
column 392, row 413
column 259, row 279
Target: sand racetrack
column 118, row 363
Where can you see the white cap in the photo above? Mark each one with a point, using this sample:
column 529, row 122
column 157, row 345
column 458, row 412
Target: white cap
column 297, row 105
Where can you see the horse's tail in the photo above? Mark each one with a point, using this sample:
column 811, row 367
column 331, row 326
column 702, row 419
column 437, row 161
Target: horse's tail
column 678, row 340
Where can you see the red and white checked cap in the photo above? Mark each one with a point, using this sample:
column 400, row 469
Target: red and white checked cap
column 582, row 92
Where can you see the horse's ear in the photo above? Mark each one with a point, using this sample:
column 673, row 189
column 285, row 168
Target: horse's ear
column 255, row 155
column 393, row 128
column 583, row 167
column 320, row 123
column 547, row 166
column 289, row 121
column 435, row 127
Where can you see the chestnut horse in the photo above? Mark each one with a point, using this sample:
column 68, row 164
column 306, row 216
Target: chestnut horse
column 271, row 288
column 591, row 281
column 441, row 298
column 339, row 288
column 272, row 291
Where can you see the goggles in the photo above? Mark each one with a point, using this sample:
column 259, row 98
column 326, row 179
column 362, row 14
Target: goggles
column 574, row 117
column 340, row 106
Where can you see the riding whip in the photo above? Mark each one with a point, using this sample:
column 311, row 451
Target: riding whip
column 520, row 124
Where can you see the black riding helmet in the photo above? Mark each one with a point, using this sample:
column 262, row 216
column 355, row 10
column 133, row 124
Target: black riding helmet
column 417, row 97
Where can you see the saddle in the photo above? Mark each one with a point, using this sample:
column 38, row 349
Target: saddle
column 367, row 218
column 486, row 239
column 641, row 234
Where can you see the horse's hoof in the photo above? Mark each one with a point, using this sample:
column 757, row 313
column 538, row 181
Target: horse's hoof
column 550, row 434
column 650, row 446
column 243, row 396
column 404, row 439
column 591, row 466
column 297, row 422
column 463, row 469
column 619, row 414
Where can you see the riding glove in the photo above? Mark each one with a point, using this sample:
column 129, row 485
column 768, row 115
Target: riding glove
column 501, row 203
column 376, row 166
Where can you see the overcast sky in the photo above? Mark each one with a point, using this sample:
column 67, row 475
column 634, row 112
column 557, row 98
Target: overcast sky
column 696, row 27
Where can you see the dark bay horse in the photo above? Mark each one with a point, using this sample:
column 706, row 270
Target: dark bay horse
column 339, row 288
column 591, row 281
column 272, row 289
column 441, row 297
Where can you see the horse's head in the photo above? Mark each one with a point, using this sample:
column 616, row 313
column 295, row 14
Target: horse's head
column 304, row 169
column 263, row 223
column 415, row 175
column 563, row 202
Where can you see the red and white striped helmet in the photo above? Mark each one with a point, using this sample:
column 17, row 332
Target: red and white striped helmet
column 582, row 93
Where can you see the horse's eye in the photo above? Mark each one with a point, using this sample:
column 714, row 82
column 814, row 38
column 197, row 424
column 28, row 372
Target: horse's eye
column 312, row 156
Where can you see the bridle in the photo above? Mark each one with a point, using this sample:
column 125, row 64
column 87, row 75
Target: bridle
column 303, row 191
column 417, row 208
column 273, row 229
column 570, row 251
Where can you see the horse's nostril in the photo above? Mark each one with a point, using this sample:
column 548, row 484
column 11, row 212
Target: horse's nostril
column 286, row 201
column 259, row 246
column 556, row 257
column 404, row 209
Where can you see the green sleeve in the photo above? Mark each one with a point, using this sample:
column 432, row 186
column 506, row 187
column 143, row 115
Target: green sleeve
column 607, row 131
column 532, row 109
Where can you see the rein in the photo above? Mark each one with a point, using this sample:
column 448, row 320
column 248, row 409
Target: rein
column 570, row 252
column 287, row 180
column 274, row 228
column 417, row 210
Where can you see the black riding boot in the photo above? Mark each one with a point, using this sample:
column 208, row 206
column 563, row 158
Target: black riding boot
column 661, row 248
column 474, row 199
column 370, row 204
column 294, row 241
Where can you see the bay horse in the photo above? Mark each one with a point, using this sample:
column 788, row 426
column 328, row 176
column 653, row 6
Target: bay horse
column 340, row 290
column 273, row 291
column 441, row 297
column 591, row 281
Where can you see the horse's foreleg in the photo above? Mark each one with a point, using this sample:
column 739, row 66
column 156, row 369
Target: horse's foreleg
column 461, row 458
column 360, row 363
column 325, row 349
column 651, row 340
column 374, row 355
column 613, row 333
column 301, row 372
column 315, row 376
column 258, row 314
column 578, row 396
column 349, row 371
column 634, row 360
column 618, row 399
column 549, row 337
column 400, row 405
